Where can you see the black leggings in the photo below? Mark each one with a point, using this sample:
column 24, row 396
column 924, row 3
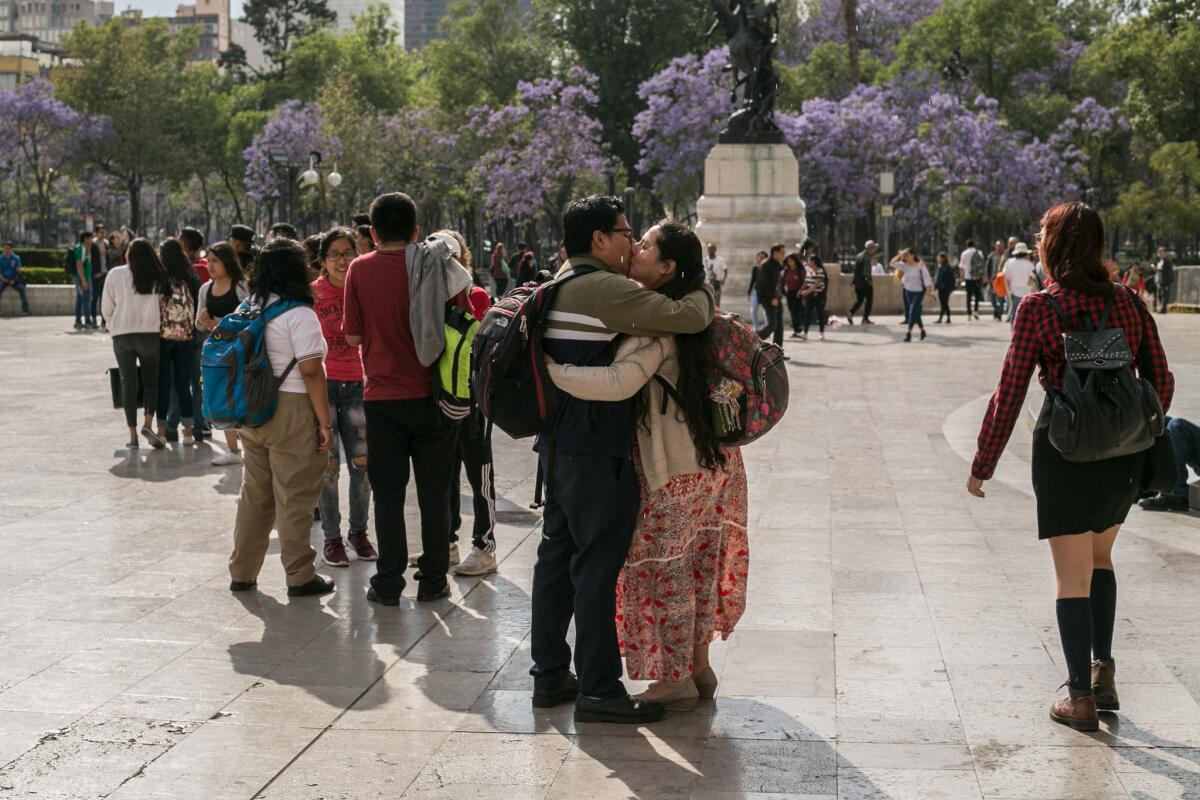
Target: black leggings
column 814, row 310
column 475, row 453
column 132, row 349
column 944, row 300
column 175, row 369
column 796, row 309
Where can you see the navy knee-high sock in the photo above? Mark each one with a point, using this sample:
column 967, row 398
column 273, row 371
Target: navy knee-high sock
column 1075, row 628
column 1104, row 611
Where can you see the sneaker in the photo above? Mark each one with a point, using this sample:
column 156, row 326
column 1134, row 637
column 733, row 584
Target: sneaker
column 795, row 335
column 362, row 546
column 104, row 327
column 78, row 326
column 26, row 313
column 318, row 585
column 477, row 562
column 804, row 337
column 188, row 439
column 153, row 438
column 850, row 320
column 335, row 553
column 1165, row 502
column 227, row 459
column 620, row 709
column 821, row 337
column 555, row 693
column 171, row 436
column 454, row 559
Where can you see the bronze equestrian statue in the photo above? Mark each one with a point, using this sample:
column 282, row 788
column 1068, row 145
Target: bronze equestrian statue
column 753, row 31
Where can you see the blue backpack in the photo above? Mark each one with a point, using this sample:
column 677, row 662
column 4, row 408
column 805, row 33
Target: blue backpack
column 240, row 390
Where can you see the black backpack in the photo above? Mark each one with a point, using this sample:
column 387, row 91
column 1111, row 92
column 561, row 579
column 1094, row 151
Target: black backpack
column 69, row 263
column 508, row 373
column 1103, row 410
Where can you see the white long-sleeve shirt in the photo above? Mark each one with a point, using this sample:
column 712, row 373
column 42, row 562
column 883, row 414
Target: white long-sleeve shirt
column 126, row 310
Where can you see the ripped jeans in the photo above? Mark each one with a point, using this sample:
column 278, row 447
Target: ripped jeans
column 350, row 430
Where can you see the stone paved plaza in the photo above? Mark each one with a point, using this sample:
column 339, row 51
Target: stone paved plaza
column 900, row 639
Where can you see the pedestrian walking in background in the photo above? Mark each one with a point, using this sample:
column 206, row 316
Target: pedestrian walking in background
column 1018, row 278
column 1080, row 505
column 769, row 275
column 286, row 457
column 756, row 309
column 180, row 295
column 689, row 560
column 132, row 305
column 972, row 268
column 500, row 269
column 864, row 289
column 793, row 284
column 815, row 292
column 715, row 272
column 1134, row 280
column 99, row 272
column 995, row 265
column 1164, row 270
column 914, row 277
column 221, row 295
column 344, row 382
column 81, row 260
column 944, row 281
column 193, row 243
column 242, row 239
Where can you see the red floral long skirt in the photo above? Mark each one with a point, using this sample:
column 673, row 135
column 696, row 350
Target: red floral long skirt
column 684, row 582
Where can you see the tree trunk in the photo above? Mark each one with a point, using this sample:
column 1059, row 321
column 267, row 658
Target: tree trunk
column 850, row 19
column 237, row 206
column 207, row 207
column 134, row 185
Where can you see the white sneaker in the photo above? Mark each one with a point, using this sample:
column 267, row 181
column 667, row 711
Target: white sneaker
column 477, row 562
column 227, row 459
column 454, row 559
column 822, row 337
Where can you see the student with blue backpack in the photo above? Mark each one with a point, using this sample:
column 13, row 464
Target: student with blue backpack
column 281, row 406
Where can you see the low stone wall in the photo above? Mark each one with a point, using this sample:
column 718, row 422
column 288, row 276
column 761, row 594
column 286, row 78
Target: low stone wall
column 44, row 301
column 887, row 301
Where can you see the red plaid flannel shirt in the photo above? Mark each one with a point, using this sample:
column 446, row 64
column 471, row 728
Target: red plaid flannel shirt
column 1037, row 340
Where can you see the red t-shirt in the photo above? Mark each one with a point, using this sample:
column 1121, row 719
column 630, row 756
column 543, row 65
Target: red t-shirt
column 377, row 309
column 342, row 362
column 201, row 267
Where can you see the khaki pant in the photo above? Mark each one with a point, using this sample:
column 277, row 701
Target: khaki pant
column 281, row 481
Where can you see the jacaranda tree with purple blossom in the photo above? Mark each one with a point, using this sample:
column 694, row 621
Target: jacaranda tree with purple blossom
column 293, row 130
column 687, row 105
column 42, row 135
column 540, row 150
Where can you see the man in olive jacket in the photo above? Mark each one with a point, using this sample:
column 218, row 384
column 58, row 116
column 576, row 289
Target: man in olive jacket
column 592, row 498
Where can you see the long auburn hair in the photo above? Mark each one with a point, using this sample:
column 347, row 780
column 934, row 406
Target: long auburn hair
column 1072, row 248
column 678, row 243
column 149, row 277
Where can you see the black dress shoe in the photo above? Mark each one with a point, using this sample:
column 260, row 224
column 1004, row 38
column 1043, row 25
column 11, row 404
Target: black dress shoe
column 318, row 585
column 555, row 693
column 1164, row 502
column 375, row 597
column 621, row 709
column 427, row 594
column 242, row 586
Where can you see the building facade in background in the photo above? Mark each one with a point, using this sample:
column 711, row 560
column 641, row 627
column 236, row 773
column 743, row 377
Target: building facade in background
column 346, row 10
column 51, row 20
column 23, row 58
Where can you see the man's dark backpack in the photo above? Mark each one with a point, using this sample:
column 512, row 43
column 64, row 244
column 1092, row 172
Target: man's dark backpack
column 1103, row 410
column 508, row 372
column 69, row 263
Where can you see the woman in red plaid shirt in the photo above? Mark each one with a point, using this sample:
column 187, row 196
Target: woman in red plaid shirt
column 1080, row 506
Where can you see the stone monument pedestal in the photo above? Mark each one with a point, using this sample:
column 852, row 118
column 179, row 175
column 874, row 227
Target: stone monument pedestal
column 750, row 202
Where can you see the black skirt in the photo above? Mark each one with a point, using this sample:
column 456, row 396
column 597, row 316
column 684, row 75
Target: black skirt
column 1080, row 497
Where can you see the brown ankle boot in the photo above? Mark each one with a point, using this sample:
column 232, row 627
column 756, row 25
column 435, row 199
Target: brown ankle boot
column 1077, row 711
column 1104, row 684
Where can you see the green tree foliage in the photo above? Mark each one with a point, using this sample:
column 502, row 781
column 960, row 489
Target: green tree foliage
column 826, row 73
column 624, row 43
column 1170, row 207
column 278, row 23
column 132, row 75
column 487, row 47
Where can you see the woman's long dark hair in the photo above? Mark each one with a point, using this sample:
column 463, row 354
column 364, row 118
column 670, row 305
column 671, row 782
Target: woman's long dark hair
column 282, row 269
column 224, row 252
column 176, row 263
column 146, row 268
column 678, row 243
column 1072, row 248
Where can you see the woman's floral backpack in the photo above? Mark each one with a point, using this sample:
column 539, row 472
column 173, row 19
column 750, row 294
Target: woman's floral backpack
column 748, row 381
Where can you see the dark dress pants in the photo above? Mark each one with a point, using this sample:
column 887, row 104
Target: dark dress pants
column 590, row 516
column 399, row 430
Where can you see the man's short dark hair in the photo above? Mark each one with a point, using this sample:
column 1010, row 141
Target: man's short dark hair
column 970, row 242
column 361, row 219
column 192, row 239
column 98, row 227
column 8, row 244
column 284, row 230
column 242, row 233
column 762, row 253
column 394, row 217
column 521, row 245
column 84, row 235
column 776, row 248
column 585, row 216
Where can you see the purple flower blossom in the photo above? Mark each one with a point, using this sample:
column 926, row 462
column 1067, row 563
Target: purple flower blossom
column 294, row 128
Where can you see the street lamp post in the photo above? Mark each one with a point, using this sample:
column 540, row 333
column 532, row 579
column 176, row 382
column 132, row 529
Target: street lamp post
column 313, row 177
column 950, row 187
column 887, row 188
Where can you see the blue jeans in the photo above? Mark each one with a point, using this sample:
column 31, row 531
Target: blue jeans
column 20, row 287
column 1185, row 439
column 349, row 422
column 756, row 316
column 912, row 308
column 83, row 303
column 197, row 396
column 175, row 372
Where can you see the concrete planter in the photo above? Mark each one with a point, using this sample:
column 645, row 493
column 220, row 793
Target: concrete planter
column 44, row 301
